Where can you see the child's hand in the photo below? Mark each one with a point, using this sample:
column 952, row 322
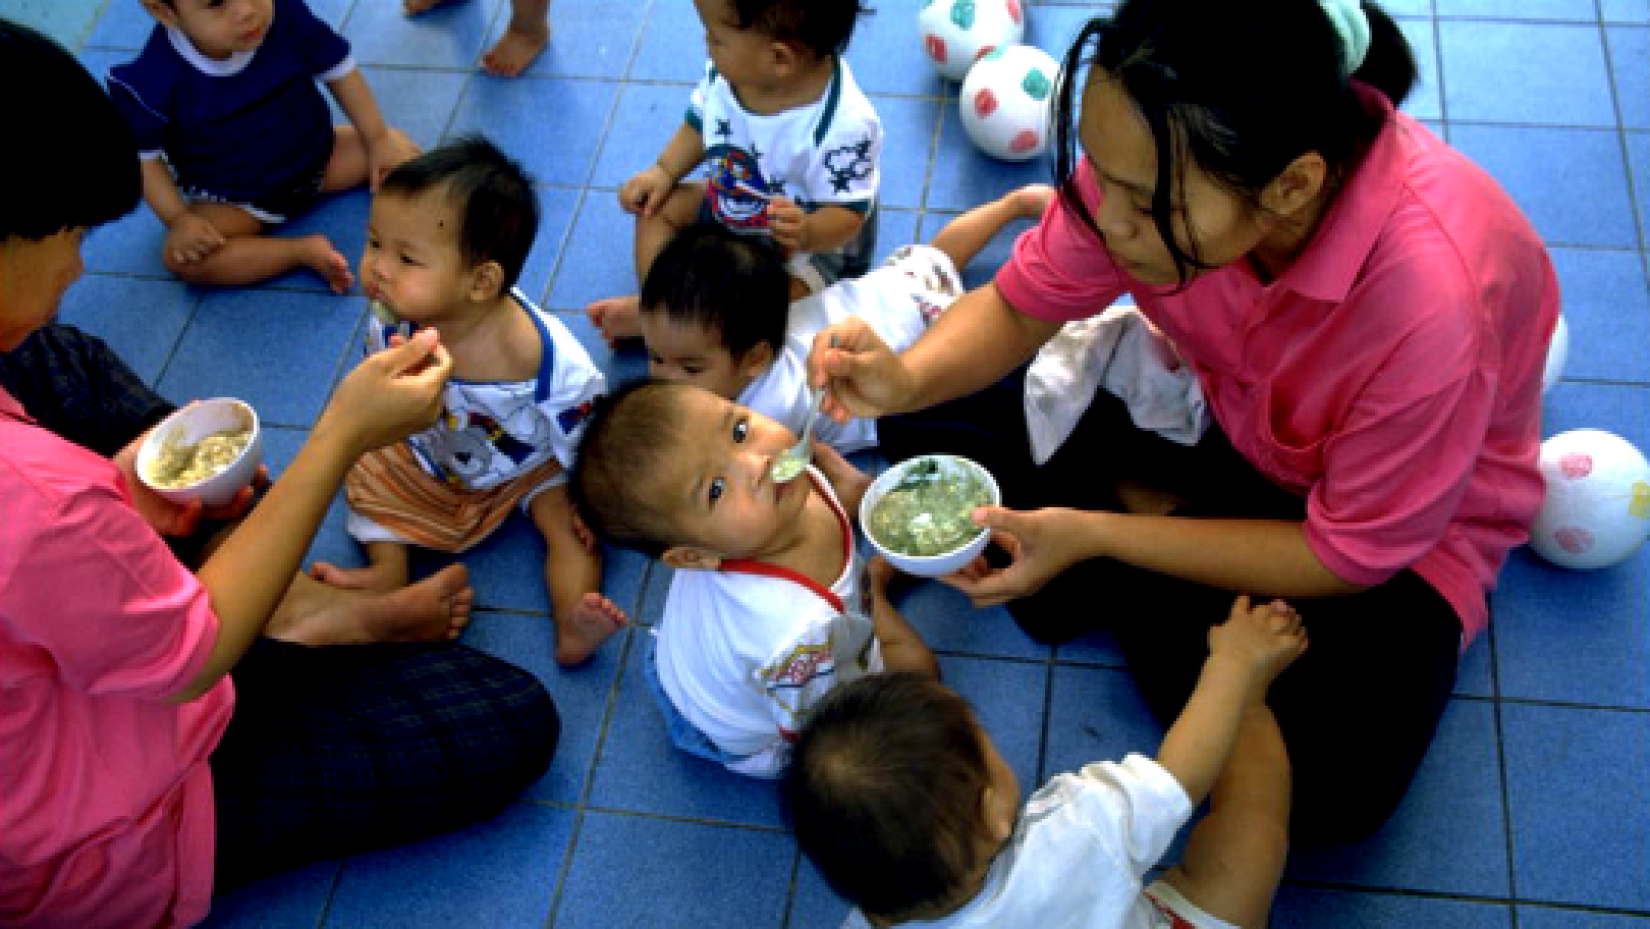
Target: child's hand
column 386, row 153
column 191, row 238
column 785, row 222
column 645, row 192
column 1266, row 638
column 850, row 482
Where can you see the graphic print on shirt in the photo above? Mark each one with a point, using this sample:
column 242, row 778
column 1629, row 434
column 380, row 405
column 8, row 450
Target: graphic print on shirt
column 737, row 191
column 848, row 164
column 801, row 677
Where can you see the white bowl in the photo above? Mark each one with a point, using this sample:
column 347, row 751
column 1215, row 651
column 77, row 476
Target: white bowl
column 187, row 427
column 927, row 565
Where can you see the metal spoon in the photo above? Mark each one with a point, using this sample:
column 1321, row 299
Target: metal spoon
column 794, row 460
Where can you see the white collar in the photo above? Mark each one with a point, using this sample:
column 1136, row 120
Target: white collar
column 211, row 67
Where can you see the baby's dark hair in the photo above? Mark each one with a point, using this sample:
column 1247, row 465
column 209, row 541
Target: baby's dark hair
column 71, row 161
column 629, row 436
column 497, row 206
column 1241, row 88
column 823, row 27
column 884, row 793
column 733, row 285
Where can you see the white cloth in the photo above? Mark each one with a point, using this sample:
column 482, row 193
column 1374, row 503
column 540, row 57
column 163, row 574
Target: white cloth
column 825, row 153
column 491, row 432
column 898, row 300
column 743, row 656
column 1079, row 853
column 1120, row 351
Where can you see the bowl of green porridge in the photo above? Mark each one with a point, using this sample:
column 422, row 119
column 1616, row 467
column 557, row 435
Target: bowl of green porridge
column 206, row 451
column 917, row 514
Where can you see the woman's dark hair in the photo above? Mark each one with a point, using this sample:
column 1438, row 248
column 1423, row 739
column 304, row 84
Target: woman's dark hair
column 497, row 207
column 821, row 26
column 1241, row 87
column 69, row 158
column 884, row 792
column 733, row 285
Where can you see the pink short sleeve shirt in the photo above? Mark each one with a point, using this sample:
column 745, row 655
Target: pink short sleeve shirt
column 1392, row 375
column 106, row 810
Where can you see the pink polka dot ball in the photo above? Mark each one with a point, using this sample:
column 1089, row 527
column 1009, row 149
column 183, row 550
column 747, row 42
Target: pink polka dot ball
column 1597, row 509
column 956, row 33
column 1005, row 100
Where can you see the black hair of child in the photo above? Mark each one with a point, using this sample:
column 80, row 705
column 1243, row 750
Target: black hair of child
column 884, row 793
column 733, row 285
column 497, row 206
column 69, row 157
column 629, row 437
column 1243, row 88
column 823, row 27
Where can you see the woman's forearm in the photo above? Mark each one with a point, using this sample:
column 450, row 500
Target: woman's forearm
column 248, row 574
column 1264, row 558
column 975, row 341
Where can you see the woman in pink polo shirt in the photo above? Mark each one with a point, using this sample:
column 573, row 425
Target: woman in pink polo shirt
column 168, row 733
column 1367, row 313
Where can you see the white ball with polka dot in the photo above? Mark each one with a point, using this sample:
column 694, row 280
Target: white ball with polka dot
column 1004, row 104
column 955, row 33
column 1597, row 509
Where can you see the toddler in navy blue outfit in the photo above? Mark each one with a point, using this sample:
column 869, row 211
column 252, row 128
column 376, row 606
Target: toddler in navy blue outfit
column 235, row 136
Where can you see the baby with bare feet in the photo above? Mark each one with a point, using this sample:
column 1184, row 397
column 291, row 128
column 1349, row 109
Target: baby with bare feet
column 522, row 41
column 447, row 237
column 770, row 607
column 235, row 137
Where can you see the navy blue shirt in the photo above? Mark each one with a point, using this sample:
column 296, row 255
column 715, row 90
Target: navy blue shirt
column 243, row 127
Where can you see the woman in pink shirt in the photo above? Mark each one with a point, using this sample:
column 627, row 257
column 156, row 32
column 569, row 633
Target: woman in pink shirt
column 165, row 733
column 1367, row 313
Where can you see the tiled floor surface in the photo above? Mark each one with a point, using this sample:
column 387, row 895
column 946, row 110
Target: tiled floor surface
column 1533, row 808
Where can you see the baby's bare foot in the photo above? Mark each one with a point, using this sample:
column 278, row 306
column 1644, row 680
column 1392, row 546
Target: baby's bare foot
column 1031, row 200
column 415, row 7
column 616, row 317
column 515, row 50
column 578, row 636
column 433, row 609
column 325, row 260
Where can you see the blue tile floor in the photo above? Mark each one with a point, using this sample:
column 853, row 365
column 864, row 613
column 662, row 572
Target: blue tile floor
column 1533, row 808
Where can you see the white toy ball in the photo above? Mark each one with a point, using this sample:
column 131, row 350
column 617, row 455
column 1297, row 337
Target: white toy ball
column 1597, row 509
column 1005, row 101
column 1558, row 351
column 955, row 33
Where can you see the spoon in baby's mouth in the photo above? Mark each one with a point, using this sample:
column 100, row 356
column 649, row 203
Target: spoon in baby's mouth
column 794, row 460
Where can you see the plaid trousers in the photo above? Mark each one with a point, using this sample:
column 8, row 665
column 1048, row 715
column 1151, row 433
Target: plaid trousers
column 348, row 748
column 75, row 387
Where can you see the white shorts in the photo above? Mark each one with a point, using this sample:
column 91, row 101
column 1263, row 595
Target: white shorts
column 1174, row 911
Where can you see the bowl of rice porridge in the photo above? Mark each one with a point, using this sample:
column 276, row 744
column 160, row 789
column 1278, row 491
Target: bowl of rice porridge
column 206, row 451
column 918, row 513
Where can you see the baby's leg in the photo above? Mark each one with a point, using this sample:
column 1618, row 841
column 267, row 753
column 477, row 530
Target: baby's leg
column 1236, row 854
column 573, row 572
column 386, row 569
column 247, row 256
column 969, row 234
column 902, row 646
column 528, row 33
column 619, row 317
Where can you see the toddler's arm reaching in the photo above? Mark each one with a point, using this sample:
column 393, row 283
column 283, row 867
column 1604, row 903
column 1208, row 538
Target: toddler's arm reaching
column 1245, row 654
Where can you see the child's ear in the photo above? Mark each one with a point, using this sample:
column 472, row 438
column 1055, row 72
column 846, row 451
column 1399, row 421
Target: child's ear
column 997, row 816
column 691, row 558
column 756, row 359
column 786, row 58
column 162, row 12
column 487, row 281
